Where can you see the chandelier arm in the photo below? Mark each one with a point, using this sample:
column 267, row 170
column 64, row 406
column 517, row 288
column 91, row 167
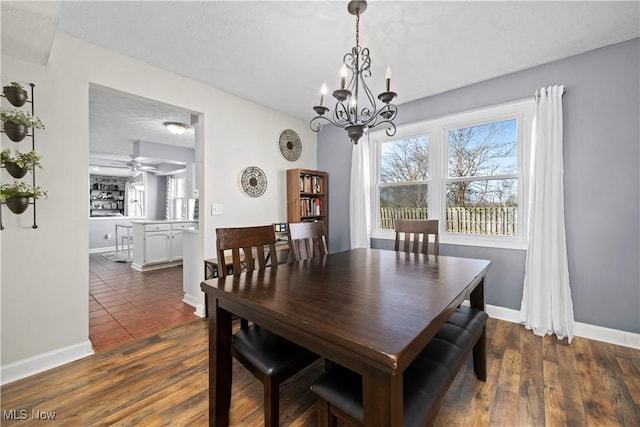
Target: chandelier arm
column 316, row 123
column 366, row 110
column 386, row 114
column 391, row 127
column 341, row 115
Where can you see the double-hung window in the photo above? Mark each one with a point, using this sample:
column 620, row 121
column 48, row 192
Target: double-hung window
column 403, row 179
column 466, row 170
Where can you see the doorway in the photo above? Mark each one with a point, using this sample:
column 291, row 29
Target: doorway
column 131, row 146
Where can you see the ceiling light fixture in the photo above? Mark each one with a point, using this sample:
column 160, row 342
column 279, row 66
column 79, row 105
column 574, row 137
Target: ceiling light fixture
column 356, row 110
column 176, row 128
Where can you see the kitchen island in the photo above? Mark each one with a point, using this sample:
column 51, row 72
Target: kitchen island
column 158, row 243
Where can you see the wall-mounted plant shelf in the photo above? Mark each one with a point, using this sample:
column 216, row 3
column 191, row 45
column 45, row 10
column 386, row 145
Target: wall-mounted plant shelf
column 20, row 194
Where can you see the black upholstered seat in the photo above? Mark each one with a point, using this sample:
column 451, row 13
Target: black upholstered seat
column 425, row 381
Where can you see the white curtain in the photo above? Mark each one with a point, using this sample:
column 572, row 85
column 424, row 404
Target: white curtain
column 359, row 219
column 546, row 301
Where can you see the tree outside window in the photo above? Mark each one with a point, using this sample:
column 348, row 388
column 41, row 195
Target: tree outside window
column 404, row 176
column 482, row 183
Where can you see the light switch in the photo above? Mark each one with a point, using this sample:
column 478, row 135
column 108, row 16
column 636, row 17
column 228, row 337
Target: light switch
column 216, row 209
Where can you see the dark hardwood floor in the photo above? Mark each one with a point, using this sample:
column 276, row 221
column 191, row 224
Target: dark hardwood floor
column 162, row 380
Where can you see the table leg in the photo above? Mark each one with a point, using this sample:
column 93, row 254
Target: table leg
column 382, row 399
column 219, row 364
column 480, row 349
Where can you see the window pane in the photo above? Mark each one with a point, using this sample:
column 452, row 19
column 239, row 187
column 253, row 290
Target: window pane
column 483, row 207
column 405, row 160
column 402, row 202
column 484, row 150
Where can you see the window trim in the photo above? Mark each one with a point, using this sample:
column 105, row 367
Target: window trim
column 436, row 131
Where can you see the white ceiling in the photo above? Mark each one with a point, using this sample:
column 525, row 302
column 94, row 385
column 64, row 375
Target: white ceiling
column 279, row 53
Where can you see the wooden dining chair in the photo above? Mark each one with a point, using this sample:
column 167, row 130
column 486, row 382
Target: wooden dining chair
column 415, row 235
column 269, row 357
column 307, row 240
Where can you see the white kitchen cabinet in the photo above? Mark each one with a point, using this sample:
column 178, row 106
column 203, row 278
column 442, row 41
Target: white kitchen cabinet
column 161, row 243
column 157, row 247
column 176, row 245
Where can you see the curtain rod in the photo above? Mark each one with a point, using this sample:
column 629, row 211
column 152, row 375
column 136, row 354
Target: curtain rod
column 536, row 94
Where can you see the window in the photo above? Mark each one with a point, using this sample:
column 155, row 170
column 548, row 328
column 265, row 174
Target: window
column 482, row 179
column 135, row 197
column 177, row 202
column 404, row 176
column 466, row 170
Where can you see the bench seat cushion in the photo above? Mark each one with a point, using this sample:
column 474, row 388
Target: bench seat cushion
column 425, row 381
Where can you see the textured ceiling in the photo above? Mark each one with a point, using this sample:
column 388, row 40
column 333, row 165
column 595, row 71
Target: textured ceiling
column 117, row 120
column 279, row 53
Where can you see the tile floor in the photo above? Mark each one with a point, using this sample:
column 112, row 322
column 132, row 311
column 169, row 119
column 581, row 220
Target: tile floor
column 125, row 304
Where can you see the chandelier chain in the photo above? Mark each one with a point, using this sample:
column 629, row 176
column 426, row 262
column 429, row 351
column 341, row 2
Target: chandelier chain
column 358, row 28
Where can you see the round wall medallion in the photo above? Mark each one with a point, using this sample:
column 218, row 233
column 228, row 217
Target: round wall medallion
column 290, row 145
column 253, row 181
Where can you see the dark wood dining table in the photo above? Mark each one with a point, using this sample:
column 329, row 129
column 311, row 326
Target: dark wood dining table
column 369, row 310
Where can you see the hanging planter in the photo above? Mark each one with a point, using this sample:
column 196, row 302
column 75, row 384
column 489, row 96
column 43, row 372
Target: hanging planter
column 21, row 163
column 15, row 94
column 14, row 131
column 17, row 205
column 15, row 170
column 17, row 123
column 16, row 195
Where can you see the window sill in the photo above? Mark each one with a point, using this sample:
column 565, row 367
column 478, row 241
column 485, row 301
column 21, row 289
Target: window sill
column 465, row 240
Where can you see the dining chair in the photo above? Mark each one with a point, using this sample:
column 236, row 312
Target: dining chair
column 269, row 357
column 307, row 240
column 412, row 230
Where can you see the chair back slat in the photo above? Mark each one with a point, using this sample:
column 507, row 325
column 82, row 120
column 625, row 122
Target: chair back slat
column 307, row 240
column 247, row 244
column 410, row 231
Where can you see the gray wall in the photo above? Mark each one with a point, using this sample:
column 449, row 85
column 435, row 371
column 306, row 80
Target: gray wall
column 156, row 196
column 602, row 182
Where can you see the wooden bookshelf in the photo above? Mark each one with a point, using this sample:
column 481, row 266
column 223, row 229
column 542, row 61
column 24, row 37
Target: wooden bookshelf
column 308, row 196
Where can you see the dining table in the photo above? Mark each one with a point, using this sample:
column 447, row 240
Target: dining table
column 370, row 310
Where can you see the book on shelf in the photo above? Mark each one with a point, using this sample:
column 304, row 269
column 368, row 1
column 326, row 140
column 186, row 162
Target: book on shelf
column 310, row 206
column 310, row 184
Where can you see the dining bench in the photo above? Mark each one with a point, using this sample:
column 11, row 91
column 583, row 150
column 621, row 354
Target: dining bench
column 425, row 382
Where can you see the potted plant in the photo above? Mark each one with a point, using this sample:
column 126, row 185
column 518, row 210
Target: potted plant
column 15, row 94
column 21, row 163
column 17, row 194
column 17, row 123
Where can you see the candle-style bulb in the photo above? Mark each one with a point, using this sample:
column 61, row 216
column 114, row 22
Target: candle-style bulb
column 387, row 75
column 323, row 92
column 343, row 75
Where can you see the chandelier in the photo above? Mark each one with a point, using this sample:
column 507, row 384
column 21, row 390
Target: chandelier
column 356, row 109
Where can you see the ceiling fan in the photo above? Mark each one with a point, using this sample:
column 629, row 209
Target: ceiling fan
column 135, row 167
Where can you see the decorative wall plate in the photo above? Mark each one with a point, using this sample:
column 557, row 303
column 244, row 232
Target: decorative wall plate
column 290, row 145
column 253, row 181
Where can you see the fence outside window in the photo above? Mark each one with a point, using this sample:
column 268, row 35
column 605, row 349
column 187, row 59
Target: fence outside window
column 487, row 220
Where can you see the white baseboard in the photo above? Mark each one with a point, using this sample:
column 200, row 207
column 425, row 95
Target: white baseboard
column 584, row 330
column 196, row 303
column 100, row 250
column 45, row 361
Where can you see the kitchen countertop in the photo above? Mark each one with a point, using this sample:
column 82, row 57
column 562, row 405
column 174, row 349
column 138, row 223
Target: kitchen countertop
column 162, row 221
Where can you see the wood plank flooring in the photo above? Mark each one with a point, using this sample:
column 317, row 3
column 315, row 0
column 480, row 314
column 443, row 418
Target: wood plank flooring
column 162, row 380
